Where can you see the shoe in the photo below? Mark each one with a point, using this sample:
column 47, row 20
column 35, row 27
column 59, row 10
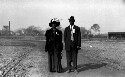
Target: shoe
column 59, row 71
column 52, row 71
column 75, row 71
column 68, row 71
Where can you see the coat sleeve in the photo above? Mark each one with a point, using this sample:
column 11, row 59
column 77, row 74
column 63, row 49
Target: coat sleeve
column 79, row 37
column 61, row 36
column 61, row 44
column 47, row 41
column 65, row 35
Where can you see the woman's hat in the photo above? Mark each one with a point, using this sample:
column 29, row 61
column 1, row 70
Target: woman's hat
column 54, row 21
column 71, row 19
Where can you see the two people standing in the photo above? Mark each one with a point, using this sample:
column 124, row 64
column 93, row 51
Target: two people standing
column 54, row 45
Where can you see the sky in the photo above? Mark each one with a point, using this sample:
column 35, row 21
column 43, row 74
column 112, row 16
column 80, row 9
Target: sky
column 109, row 14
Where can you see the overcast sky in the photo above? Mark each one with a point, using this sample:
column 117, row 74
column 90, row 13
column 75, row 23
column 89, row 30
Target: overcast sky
column 109, row 14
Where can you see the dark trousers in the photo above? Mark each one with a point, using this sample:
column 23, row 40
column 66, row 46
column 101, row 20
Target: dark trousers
column 71, row 57
column 59, row 65
column 54, row 60
column 51, row 62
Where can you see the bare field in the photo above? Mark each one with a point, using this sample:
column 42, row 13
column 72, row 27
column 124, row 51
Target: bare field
column 23, row 59
column 10, row 42
column 35, row 63
column 7, row 53
column 112, row 53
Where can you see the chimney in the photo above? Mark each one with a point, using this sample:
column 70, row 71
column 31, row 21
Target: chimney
column 9, row 27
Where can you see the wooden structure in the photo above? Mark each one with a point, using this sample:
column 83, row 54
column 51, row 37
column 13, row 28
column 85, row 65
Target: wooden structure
column 116, row 35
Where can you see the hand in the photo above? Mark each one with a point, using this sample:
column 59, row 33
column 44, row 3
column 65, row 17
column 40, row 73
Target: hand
column 61, row 54
column 45, row 50
column 78, row 47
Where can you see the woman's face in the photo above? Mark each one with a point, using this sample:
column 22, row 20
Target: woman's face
column 53, row 25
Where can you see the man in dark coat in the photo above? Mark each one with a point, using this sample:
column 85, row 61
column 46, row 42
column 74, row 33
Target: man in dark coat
column 72, row 39
column 54, row 46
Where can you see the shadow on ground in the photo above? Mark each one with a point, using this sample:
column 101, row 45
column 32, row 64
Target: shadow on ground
column 84, row 67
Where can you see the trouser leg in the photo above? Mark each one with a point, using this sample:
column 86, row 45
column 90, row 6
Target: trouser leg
column 55, row 59
column 74, row 57
column 59, row 66
column 53, row 62
column 68, row 55
column 50, row 62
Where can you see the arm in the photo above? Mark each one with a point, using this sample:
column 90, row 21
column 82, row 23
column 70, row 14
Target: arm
column 61, row 40
column 47, row 41
column 79, row 37
column 60, row 36
column 65, row 35
column 58, row 41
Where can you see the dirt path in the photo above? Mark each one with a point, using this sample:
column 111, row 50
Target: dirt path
column 37, row 64
column 86, row 67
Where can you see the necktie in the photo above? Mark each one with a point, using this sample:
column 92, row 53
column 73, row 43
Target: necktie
column 72, row 34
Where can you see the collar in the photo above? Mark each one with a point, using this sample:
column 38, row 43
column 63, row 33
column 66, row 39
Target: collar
column 72, row 26
column 53, row 29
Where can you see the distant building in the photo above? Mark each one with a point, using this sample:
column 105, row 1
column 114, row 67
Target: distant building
column 5, row 30
column 116, row 35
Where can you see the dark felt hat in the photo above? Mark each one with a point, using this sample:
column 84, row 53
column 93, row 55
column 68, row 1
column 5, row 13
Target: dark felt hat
column 54, row 21
column 71, row 18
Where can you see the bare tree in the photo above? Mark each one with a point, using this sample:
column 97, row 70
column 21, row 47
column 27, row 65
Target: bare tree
column 33, row 31
column 20, row 31
column 95, row 28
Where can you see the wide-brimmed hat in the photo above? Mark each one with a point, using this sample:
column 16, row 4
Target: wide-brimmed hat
column 71, row 18
column 54, row 21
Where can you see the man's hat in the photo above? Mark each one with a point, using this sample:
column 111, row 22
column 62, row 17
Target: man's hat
column 71, row 18
column 54, row 21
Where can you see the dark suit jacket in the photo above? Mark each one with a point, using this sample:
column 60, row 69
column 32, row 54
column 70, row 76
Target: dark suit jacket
column 76, row 35
column 53, row 41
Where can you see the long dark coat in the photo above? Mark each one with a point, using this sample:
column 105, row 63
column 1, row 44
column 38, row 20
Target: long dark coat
column 71, row 46
column 54, row 46
column 76, row 35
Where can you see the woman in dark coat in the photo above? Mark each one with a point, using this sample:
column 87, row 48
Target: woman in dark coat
column 54, row 46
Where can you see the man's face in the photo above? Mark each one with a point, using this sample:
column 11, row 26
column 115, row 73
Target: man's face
column 71, row 22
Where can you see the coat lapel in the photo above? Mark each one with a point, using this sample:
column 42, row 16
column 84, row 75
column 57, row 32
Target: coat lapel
column 69, row 31
column 68, row 28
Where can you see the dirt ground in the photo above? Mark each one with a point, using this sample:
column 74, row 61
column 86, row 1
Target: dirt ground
column 36, row 64
column 86, row 67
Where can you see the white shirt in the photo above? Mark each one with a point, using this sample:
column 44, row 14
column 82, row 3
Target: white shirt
column 72, row 27
column 73, row 31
